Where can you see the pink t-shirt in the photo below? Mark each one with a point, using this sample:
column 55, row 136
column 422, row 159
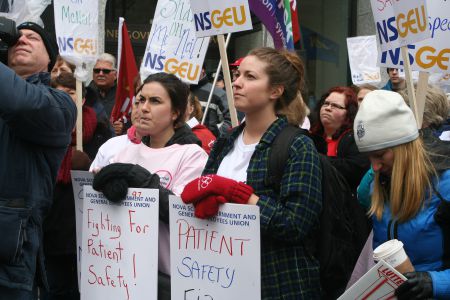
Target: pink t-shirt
column 176, row 166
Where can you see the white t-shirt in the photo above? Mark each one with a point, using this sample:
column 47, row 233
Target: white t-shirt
column 108, row 150
column 235, row 164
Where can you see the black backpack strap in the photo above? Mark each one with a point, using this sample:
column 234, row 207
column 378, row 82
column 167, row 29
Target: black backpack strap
column 279, row 154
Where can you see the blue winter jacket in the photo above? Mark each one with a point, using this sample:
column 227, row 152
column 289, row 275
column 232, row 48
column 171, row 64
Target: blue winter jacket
column 422, row 238
column 36, row 122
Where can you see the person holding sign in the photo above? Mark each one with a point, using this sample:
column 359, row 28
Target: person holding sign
column 269, row 82
column 36, row 122
column 169, row 151
column 411, row 197
column 395, row 82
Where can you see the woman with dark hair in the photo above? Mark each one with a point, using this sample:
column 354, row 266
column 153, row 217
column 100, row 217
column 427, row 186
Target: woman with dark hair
column 168, row 157
column 269, row 82
column 334, row 132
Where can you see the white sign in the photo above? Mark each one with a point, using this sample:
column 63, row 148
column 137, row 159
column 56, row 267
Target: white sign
column 431, row 55
column 79, row 179
column 172, row 46
column 379, row 283
column 120, row 246
column 76, row 26
column 23, row 10
column 218, row 258
column 212, row 17
column 363, row 55
column 399, row 23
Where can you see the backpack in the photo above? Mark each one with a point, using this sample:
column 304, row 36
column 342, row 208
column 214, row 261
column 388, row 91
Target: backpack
column 343, row 225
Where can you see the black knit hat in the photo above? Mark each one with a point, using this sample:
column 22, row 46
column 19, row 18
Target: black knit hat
column 49, row 41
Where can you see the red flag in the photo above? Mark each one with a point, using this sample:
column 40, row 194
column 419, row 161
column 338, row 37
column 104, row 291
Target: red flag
column 294, row 19
column 127, row 73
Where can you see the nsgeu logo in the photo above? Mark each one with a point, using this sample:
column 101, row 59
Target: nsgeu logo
column 228, row 17
column 426, row 57
column 413, row 22
column 79, row 45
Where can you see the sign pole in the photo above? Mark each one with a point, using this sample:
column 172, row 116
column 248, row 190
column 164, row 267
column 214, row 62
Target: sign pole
column 211, row 92
column 410, row 84
column 79, row 116
column 227, row 79
column 422, row 87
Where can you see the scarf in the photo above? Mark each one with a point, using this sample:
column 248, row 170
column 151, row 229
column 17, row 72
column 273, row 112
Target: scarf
column 89, row 126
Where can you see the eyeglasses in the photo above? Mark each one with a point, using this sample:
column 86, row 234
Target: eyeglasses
column 105, row 71
column 333, row 105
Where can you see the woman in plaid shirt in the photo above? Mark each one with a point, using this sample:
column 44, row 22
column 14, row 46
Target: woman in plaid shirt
column 268, row 86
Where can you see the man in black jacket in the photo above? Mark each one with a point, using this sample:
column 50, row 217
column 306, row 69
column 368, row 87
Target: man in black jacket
column 36, row 122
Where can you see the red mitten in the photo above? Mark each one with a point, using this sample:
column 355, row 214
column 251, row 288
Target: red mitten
column 208, row 207
column 233, row 191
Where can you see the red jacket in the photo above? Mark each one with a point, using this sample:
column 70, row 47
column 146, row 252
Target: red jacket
column 205, row 136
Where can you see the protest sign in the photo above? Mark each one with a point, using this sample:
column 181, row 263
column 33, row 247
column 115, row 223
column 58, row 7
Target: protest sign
column 213, row 17
column 76, row 27
column 218, row 258
column 431, row 55
column 362, row 56
column 379, row 283
column 79, row 180
column 120, row 246
column 23, row 10
column 172, row 46
column 399, row 23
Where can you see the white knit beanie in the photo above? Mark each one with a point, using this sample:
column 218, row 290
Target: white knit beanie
column 384, row 120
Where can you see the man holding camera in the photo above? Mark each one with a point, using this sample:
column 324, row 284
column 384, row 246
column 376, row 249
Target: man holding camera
column 36, row 123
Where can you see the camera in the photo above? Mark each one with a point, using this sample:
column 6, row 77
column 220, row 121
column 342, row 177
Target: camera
column 8, row 37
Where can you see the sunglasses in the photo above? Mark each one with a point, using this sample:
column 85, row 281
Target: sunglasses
column 105, row 71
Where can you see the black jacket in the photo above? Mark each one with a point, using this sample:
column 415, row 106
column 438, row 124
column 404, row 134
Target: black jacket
column 36, row 123
column 218, row 111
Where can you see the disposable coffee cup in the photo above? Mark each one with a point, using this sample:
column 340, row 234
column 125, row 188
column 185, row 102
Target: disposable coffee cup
column 393, row 253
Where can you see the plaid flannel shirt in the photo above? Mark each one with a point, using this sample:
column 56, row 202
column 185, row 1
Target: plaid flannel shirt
column 288, row 271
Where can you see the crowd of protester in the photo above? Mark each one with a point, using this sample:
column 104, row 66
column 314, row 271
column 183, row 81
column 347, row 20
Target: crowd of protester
column 399, row 174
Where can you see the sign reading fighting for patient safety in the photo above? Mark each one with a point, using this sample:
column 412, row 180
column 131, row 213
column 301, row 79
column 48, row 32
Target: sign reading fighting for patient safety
column 120, row 246
column 212, row 17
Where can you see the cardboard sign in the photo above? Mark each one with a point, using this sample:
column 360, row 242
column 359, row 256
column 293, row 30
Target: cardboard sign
column 213, row 17
column 379, row 283
column 399, row 23
column 79, row 180
column 120, row 246
column 363, row 55
column 431, row 55
column 76, row 26
column 172, row 46
column 218, row 258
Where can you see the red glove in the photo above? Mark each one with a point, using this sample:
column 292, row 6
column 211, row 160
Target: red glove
column 203, row 186
column 208, row 207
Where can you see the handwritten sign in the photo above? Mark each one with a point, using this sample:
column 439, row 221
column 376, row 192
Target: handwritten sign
column 379, row 283
column 213, row 17
column 399, row 23
column 363, row 55
column 431, row 55
column 79, row 180
column 218, row 258
column 172, row 46
column 120, row 246
column 76, row 26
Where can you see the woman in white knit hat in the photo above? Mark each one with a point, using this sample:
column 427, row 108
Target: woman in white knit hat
column 410, row 199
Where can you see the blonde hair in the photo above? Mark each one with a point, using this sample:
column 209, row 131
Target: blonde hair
column 197, row 112
column 410, row 179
